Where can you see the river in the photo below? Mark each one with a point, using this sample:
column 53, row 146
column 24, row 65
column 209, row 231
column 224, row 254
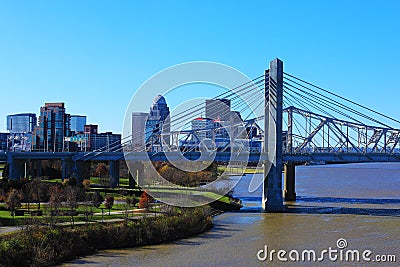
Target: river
column 358, row 203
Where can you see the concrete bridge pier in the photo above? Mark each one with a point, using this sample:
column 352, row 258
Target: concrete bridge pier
column 272, row 194
column 16, row 169
column 81, row 170
column 290, row 182
column 136, row 170
column 114, row 173
column 132, row 180
column 37, row 168
column 66, row 168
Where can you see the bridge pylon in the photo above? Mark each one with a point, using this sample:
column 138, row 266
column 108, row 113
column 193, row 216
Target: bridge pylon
column 272, row 200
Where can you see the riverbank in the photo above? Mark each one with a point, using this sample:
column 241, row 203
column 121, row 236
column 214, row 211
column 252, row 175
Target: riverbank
column 357, row 202
column 45, row 246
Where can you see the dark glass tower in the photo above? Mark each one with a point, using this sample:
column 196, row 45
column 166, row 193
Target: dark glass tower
column 218, row 109
column 53, row 126
column 21, row 123
column 158, row 120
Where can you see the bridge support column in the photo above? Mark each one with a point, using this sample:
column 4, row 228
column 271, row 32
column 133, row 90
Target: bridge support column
column 290, row 175
column 137, row 171
column 16, row 169
column 272, row 193
column 132, row 182
column 81, row 170
column 66, row 168
column 37, row 168
column 114, row 173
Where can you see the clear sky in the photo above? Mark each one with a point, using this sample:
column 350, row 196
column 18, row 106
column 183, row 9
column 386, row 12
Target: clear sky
column 93, row 55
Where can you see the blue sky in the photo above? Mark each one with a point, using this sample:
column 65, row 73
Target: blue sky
column 93, row 55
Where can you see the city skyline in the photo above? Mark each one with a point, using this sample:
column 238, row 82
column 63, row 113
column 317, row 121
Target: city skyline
column 199, row 133
column 94, row 55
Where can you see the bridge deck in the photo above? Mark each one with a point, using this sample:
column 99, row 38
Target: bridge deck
column 219, row 156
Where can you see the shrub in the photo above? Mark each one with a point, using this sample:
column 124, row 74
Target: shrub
column 13, row 200
column 108, row 203
column 144, row 200
column 44, row 246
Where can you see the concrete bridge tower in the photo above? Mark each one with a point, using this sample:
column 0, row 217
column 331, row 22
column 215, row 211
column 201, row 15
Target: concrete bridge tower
column 272, row 200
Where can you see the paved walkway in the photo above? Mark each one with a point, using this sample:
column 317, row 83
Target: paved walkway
column 8, row 229
column 139, row 214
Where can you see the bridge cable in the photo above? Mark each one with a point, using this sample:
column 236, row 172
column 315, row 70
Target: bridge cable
column 352, row 102
column 337, row 103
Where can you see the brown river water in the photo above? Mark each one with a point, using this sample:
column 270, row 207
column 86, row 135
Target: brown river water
column 356, row 204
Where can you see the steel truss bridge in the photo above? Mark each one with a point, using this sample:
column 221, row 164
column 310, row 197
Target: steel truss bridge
column 300, row 123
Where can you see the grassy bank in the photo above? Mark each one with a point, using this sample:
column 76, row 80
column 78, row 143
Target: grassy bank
column 239, row 170
column 45, row 246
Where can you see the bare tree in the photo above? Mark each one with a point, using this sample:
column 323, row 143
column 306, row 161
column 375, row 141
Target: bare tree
column 108, row 203
column 71, row 198
column 56, row 198
column 13, row 200
column 95, row 200
column 101, row 171
column 28, row 189
column 129, row 203
column 40, row 191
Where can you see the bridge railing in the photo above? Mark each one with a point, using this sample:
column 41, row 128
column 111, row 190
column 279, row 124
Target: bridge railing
column 308, row 132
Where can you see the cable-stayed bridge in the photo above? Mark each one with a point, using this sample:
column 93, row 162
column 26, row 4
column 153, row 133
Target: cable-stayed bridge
column 287, row 122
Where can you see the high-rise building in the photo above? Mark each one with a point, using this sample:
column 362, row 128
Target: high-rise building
column 53, row 126
column 89, row 131
column 21, row 127
column 237, row 129
column 218, row 109
column 203, row 127
column 21, row 123
column 222, row 129
column 107, row 141
column 158, row 123
column 138, row 130
column 209, row 128
column 100, row 141
column 78, row 123
column 153, row 128
column 19, row 142
column 235, row 117
column 159, row 108
column 3, row 141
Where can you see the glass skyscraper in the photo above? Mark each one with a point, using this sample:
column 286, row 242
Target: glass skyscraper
column 78, row 123
column 218, row 109
column 200, row 125
column 53, row 126
column 138, row 130
column 20, row 127
column 158, row 121
column 3, row 141
column 21, row 123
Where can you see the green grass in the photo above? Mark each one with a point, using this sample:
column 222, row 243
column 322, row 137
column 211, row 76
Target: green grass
column 248, row 170
column 94, row 180
column 206, row 194
column 81, row 207
column 7, row 219
column 5, row 214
